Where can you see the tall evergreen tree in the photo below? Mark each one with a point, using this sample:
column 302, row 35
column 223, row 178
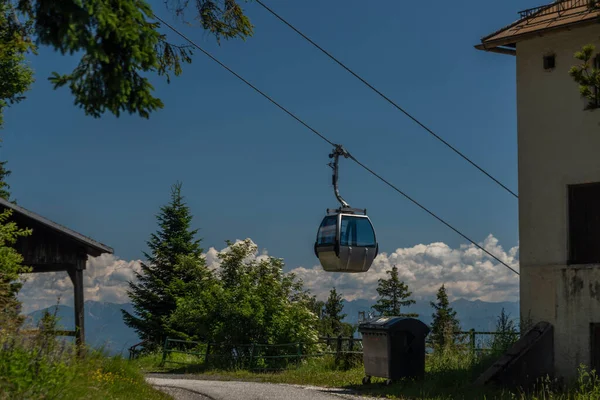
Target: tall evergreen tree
column 332, row 313
column 393, row 294
column 444, row 323
column 152, row 296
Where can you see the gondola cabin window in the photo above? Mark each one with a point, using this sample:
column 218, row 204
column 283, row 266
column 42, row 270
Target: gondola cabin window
column 356, row 231
column 327, row 231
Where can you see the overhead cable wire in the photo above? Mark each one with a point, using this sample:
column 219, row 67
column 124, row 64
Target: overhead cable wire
column 393, row 103
column 331, row 142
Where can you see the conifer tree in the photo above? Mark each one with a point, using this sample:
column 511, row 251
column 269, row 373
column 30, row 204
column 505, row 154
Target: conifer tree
column 332, row 313
column 445, row 323
column 506, row 333
column 393, row 294
column 152, row 296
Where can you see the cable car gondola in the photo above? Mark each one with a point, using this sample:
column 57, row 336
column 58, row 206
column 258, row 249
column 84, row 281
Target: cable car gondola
column 346, row 239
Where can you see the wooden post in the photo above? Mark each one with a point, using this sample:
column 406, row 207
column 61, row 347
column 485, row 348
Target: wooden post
column 338, row 349
column 251, row 356
column 76, row 275
column 473, row 345
column 299, row 354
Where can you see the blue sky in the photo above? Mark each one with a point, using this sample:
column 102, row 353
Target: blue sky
column 249, row 170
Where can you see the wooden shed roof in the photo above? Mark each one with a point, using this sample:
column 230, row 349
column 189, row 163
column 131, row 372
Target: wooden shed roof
column 92, row 247
column 559, row 15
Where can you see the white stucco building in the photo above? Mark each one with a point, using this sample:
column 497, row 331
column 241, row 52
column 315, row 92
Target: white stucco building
column 559, row 177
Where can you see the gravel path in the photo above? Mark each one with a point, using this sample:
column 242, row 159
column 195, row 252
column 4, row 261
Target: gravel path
column 233, row 390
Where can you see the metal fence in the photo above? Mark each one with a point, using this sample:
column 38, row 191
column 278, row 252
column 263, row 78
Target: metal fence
column 270, row 357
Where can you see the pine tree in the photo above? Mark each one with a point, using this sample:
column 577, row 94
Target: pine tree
column 506, row 333
column 445, row 323
column 393, row 294
column 152, row 296
column 332, row 313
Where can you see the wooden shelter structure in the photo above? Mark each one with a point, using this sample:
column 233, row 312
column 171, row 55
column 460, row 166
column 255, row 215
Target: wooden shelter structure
column 53, row 248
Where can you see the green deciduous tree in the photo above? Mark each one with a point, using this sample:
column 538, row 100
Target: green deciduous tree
column 249, row 300
column 154, row 295
column 393, row 294
column 119, row 42
column 262, row 304
column 445, row 323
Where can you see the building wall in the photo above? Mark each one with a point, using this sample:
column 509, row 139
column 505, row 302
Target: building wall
column 559, row 144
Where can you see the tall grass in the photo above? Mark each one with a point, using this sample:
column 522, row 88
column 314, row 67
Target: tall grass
column 43, row 367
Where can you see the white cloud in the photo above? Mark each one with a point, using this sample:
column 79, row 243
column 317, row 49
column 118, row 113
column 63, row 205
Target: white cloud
column 105, row 279
column 466, row 271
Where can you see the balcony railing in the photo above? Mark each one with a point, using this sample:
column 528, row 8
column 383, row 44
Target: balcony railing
column 563, row 5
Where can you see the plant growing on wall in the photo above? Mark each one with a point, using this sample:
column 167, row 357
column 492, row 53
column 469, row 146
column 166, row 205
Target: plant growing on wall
column 587, row 76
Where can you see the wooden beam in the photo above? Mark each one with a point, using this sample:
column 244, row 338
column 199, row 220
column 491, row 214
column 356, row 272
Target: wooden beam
column 39, row 268
column 76, row 275
column 54, row 332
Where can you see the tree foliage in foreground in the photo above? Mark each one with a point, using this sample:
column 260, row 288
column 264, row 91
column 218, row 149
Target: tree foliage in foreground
column 16, row 76
column 119, row 42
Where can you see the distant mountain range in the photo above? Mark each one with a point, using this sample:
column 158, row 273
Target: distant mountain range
column 477, row 314
column 104, row 324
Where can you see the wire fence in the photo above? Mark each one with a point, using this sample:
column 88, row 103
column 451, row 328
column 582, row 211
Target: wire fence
column 274, row 357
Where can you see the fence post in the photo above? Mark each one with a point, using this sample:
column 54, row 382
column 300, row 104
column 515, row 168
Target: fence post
column 207, row 352
column 351, row 343
column 338, row 349
column 328, row 337
column 299, row 352
column 472, row 334
column 164, row 357
column 251, row 356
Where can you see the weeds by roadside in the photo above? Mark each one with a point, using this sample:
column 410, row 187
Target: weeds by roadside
column 44, row 367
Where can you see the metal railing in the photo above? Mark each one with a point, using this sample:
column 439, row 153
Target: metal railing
column 136, row 349
column 263, row 357
column 259, row 356
column 562, row 5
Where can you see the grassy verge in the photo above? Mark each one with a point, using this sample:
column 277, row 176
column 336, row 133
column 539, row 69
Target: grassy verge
column 42, row 367
column 448, row 377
